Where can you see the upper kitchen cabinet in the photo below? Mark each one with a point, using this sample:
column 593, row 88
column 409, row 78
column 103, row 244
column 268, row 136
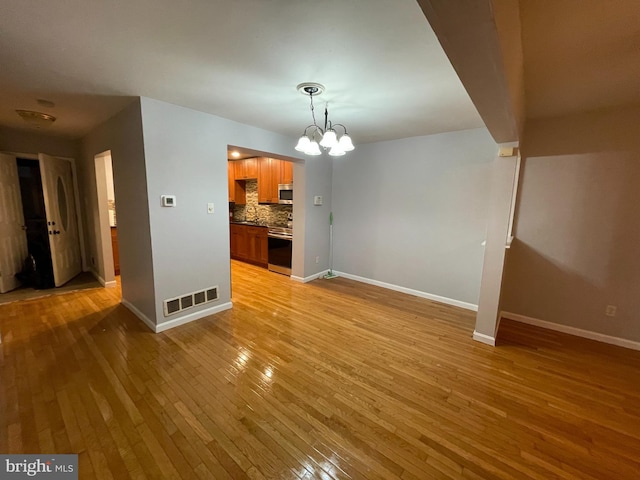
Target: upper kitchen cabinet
column 268, row 176
column 246, row 169
column 286, row 172
column 237, row 190
column 231, row 177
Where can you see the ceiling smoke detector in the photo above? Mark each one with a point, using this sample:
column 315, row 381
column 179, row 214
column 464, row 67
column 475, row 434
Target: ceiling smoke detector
column 36, row 119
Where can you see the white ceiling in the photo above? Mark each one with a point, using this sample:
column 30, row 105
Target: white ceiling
column 386, row 75
column 580, row 55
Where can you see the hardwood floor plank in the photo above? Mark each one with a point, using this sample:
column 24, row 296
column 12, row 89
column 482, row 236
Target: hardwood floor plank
column 332, row 379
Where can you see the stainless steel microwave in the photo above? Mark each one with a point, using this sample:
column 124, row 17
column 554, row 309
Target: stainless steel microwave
column 285, row 193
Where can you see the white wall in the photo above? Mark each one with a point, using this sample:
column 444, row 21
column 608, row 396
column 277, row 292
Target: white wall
column 577, row 226
column 122, row 134
column 413, row 212
column 34, row 141
column 186, row 156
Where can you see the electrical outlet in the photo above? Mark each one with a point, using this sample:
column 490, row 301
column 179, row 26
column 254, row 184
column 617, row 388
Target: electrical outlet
column 610, row 311
column 317, row 259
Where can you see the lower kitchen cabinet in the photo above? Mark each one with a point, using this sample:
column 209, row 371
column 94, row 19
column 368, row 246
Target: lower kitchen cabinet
column 250, row 244
column 258, row 245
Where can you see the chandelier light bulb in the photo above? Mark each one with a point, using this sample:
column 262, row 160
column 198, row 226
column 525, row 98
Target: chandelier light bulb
column 345, row 143
column 329, row 139
column 303, row 143
column 313, row 149
column 336, row 151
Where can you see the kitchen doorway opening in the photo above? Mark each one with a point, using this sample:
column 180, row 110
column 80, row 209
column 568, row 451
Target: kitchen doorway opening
column 261, row 210
column 107, row 266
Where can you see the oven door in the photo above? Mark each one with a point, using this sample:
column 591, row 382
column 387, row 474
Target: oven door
column 280, row 248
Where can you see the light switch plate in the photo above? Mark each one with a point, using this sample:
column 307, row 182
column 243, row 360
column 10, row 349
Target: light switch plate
column 168, row 200
column 317, row 200
column 210, row 208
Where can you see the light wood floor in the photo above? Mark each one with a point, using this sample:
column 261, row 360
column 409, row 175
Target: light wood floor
column 331, row 379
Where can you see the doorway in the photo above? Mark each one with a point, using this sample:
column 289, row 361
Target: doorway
column 35, row 221
column 40, row 230
column 261, row 211
column 107, row 266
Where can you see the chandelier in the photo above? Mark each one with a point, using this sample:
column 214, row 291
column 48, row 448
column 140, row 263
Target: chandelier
column 314, row 136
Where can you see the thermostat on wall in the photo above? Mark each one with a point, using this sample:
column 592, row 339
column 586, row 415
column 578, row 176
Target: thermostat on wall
column 168, row 200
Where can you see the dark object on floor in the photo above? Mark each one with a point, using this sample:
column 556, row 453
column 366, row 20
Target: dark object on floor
column 35, row 274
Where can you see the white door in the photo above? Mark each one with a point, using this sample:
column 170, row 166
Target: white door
column 13, row 235
column 62, row 220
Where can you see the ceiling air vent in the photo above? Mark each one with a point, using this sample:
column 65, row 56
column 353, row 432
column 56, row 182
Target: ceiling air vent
column 184, row 302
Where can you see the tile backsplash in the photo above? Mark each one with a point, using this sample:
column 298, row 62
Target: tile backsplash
column 276, row 215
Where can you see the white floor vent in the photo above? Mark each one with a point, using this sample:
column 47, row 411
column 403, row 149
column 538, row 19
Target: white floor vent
column 178, row 304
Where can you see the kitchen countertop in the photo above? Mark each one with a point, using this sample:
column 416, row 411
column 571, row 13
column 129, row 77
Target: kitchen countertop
column 252, row 224
column 257, row 224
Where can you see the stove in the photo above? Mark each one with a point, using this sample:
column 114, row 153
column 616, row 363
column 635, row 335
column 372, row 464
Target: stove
column 280, row 247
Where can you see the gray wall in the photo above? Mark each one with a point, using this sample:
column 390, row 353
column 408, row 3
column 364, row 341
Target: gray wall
column 186, row 156
column 577, row 226
column 122, row 134
column 34, row 141
column 413, row 212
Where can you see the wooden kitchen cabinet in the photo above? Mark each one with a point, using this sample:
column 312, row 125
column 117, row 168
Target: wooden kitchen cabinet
column 239, row 242
column 249, row 244
column 286, row 172
column 268, row 176
column 116, row 250
column 231, row 179
column 246, row 169
column 237, row 189
column 258, row 245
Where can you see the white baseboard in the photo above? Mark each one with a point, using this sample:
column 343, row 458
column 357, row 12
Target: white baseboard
column 481, row 337
column 578, row 332
column 97, row 277
column 101, row 280
column 315, row 276
column 147, row 321
column 410, row 291
column 161, row 327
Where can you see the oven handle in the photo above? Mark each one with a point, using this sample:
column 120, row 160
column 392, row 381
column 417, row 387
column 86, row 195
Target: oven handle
column 281, row 237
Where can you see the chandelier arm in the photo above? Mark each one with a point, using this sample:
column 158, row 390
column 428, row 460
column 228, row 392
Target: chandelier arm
column 316, row 127
column 341, row 125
